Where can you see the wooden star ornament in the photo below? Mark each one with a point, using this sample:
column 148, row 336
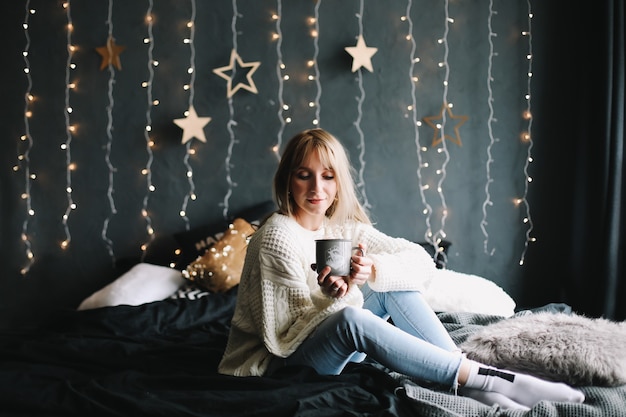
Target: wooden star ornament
column 237, row 63
column 361, row 54
column 110, row 54
column 193, row 126
column 437, row 126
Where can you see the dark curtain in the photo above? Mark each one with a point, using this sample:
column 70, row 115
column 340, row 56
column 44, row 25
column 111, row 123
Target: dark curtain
column 601, row 201
column 615, row 174
column 579, row 198
column 612, row 181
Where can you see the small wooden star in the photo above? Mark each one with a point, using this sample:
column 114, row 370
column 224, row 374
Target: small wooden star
column 232, row 68
column 437, row 137
column 110, row 54
column 361, row 54
column 192, row 125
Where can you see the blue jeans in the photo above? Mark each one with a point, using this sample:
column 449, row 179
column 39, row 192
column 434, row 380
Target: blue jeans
column 416, row 344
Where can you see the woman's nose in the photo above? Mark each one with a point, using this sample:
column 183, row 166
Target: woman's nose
column 316, row 184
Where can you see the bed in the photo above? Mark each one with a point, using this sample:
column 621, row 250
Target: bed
column 154, row 352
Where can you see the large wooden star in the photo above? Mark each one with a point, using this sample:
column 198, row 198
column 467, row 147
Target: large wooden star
column 439, row 135
column 110, row 54
column 192, row 125
column 237, row 63
column 361, row 54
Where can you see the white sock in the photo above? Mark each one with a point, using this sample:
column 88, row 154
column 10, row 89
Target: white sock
column 491, row 398
column 523, row 389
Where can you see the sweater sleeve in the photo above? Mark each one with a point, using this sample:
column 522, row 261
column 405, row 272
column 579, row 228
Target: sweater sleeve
column 400, row 265
column 288, row 314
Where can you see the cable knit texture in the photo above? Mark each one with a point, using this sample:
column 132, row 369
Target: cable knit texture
column 279, row 302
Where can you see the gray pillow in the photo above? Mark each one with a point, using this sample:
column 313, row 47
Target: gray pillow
column 570, row 348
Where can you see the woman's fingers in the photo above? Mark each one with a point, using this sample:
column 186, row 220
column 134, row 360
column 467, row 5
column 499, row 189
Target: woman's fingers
column 361, row 266
column 338, row 288
column 332, row 285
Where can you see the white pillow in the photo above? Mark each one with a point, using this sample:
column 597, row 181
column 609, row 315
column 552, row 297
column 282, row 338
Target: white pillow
column 454, row 292
column 143, row 283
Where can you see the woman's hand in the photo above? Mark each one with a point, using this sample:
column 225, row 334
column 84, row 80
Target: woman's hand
column 337, row 286
column 332, row 286
column 360, row 267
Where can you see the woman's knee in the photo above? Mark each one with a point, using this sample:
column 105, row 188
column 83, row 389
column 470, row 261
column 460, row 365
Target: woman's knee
column 356, row 318
column 351, row 314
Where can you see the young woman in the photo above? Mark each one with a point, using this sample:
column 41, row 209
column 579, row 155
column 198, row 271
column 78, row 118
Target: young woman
column 288, row 313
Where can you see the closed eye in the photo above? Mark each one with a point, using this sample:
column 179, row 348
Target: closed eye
column 303, row 176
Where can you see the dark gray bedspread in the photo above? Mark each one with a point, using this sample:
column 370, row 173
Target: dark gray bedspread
column 160, row 359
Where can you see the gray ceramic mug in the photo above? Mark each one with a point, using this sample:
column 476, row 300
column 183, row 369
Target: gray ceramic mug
column 335, row 253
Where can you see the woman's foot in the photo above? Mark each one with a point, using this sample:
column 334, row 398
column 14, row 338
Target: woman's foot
column 521, row 388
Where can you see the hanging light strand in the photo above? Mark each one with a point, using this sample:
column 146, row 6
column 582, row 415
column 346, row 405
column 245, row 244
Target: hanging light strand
column 147, row 171
column 280, row 78
column 68, row 128
column 441, row 234
column 427, row 211
column 316, row 68
column 492, row 140
column 231, row 123
column 527, row 136
column 24, row 156
column 357, row 124
column 188, row 150
column 109, row 143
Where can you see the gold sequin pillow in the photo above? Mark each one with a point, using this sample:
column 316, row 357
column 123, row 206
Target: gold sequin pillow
column 219, row 268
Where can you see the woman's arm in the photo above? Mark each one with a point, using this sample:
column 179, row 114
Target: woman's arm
column 290, row 309
column 398, row 264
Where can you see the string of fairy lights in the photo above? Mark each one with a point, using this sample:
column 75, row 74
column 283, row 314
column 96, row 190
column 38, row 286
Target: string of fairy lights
column 527, row 137
column 109, row 142
column 231, row 122
column 490, row 121
column 23, row 157
column 69, row 129
column 150, row 103
column 285, row 116
column 421, row 163
column 316, row 69
column 357, row 123
column 283, row 76
column 191, row 87
column 442, row 172
column 433, row 237
column 280, row 66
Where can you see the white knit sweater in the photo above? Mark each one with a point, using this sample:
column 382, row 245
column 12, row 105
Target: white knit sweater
column 279, row 302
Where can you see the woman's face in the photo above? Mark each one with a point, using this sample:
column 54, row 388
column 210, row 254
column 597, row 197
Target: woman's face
column 313, row 188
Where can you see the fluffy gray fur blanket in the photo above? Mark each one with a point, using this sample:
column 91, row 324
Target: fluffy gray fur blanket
column 570, row 348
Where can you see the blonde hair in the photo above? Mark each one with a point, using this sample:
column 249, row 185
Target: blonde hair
column 333, row 155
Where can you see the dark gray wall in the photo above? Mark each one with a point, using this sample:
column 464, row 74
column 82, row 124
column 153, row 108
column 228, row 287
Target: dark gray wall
column 233, row 169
